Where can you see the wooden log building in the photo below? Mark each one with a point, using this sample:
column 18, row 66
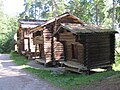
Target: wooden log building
column 52, row 50
column 80, row 46
column 86, row 46
column 25, row 38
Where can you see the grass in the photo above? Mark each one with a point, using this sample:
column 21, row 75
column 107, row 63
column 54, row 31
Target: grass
column 70, row 80
column 18, row 59
column 65, row 80
column 116, row 66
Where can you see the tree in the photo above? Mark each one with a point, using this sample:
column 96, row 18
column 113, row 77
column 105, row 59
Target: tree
column 8, row 26
column 90, row 11
column 114, row 13
column 80, row 8
column 99, row 13
column 27, row 7
column 52, row 8
column 43, row 8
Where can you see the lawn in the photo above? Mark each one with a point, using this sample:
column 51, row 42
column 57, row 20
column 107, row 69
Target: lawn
column 67, row 80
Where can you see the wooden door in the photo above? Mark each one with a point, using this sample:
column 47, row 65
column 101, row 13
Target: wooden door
column 64, row 56
column 27, row 44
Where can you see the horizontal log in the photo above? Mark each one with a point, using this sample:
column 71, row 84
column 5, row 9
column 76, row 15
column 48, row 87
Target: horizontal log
column 98, row 35
column 97, row 45
column 46, row 31
column 66, row 37
column 59, row 45
column 68, row 40
column 97, row 53
column 96, row 58
column 96, row 65
column 58, row 48
column 48, row 36
column 99, row 42
column 48, row 55
column 66, row 33
column 97, row 38
column 93, row 61
column 57, row 42
column 58, row 52
column 47, row 44
column 97, row 50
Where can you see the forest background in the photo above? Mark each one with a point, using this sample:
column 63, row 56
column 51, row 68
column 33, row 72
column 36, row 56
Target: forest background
column 99, row 12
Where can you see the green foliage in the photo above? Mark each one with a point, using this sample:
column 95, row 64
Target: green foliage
column 42, row 8
column 69, row 81
column 112, row 13
column 7, row 38
column 7, row 32
column 117, row 13
column 7, row 43
column 91, row 11
column 66, row 80
column 116, row 66
column 80, row 9
column 8, row 27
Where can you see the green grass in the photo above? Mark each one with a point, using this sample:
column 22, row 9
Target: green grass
column 69, row 81
column 18, row 59
column 65, row 80
column 116, row 66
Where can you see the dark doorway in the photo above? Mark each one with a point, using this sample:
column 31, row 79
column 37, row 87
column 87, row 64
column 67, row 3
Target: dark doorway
column 64, row 50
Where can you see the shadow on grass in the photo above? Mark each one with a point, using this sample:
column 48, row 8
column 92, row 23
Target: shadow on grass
column 65, row 80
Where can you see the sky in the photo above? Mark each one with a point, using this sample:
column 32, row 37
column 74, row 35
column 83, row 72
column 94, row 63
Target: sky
column 13, row 7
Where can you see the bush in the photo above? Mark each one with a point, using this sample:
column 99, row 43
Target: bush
column 7, row 43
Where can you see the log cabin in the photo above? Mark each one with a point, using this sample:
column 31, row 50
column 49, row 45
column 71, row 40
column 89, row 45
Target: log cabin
column 51, row 50
column 77, row 45
column 86, row 46
column 25, row 38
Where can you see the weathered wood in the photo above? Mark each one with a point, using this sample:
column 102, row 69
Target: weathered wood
column 74, row 66
column 38, row 40
column 58, row 50
column 40, row 61
column 67, row 36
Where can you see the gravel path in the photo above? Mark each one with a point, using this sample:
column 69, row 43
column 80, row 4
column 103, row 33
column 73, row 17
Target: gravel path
column 13, row 78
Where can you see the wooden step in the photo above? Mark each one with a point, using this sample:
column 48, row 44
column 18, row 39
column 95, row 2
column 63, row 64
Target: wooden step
column 40, row 61
column 74, row 66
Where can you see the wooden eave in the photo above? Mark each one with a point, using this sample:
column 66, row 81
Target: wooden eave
column 83, row 29
column 67, row 16
column 38, row 28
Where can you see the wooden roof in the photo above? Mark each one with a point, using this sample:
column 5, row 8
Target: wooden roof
column 62, row 18
column 81, row 29
column 30, row 23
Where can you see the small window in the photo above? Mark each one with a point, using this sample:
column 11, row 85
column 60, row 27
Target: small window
column 38, row 33
column 74, row 51
column 26, row 31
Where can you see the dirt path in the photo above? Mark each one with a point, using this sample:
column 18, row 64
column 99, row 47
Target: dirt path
column 111, row 83
column 13, row 78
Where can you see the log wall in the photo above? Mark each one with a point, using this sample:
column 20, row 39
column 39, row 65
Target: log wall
column 97, row 50
column 58, row 50
column 47, row 44
column 70, row 40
